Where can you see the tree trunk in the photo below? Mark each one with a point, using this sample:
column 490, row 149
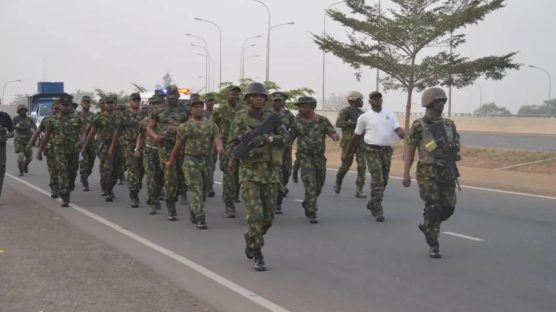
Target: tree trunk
column 410, row 87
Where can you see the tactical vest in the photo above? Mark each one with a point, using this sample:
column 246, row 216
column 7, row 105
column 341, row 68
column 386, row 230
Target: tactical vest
column 430, row 151
column 258, row 154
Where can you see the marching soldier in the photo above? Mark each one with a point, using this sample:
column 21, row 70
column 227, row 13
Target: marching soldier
column 87, row 161
column 210, row 100
column 311, row 130
column 438, row 143
column 24, row 127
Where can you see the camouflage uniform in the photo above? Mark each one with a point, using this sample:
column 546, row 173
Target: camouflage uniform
column 347, row 119
column 197, row 138
column 311, row 137
column 50, row 161
column 153, row 170
column 87, row 161
column 258, row 175
column 173, row 178
column 213, row 159
column 23, row 128
column 105, row 125
column 129, row 128
column 285, row 168
column 223, row 116
column 64, row 130
column 436, row 184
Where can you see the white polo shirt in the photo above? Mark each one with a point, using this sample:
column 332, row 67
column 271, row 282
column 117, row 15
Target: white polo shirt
column 377, row 128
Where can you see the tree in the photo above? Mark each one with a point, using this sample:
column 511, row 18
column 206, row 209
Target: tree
column 546, row 110
column 392, row 41
column 491, row 109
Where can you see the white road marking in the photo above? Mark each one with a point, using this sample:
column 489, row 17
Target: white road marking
column 271, row 306
column 298, row 200
column 464, row 236
column 478, row 188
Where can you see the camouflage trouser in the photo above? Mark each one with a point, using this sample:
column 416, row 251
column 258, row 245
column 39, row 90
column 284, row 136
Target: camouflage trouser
column 295, row 167
column 24, row 156
column 109, row 167
column 378, row 162
column 135, row 169
column 87, row 163
column 195, row 172
column 119, row 159
column 287, row 166
column 361, row 168
column 260, row 202
column 313, row 174
column 66, row 169
column 438, row 190
column 173, row 178
column 52, row 170
column 230, row 182
column 155, row 176
column 210, row 173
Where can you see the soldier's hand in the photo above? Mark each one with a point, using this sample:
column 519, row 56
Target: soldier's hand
column 39, row 155
column 335, row 137
column 406, row 181
column 111, row 153
column 137, row 153
column 258, row 141
column 169, row 164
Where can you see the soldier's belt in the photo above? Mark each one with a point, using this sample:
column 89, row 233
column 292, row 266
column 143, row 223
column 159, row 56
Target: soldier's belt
column 198, row 157
column 311, row 154
column 381, row 147
column 151, row 147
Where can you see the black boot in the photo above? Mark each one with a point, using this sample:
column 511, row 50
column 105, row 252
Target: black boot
column 65, row 200
column 26, row 168
column 134, row 199
column 171, row 206
column 183, row 197
column 54, row 191
column 109, row 196
column 338, row 186
column 230, row 211
column 359, row 192
column 258, row 262
column 84, row 184
column 295, row 179
column 202, row 224
column 211, row 192
column 434, row 251
column 20, row 170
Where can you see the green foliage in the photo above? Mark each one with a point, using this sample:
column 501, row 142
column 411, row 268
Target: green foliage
column 79, row 94
column 123, row 98
column 392, row 40
column 491, row 109
column 548, row 109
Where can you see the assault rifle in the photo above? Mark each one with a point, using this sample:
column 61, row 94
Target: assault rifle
column 451, row 149
column 246, row 142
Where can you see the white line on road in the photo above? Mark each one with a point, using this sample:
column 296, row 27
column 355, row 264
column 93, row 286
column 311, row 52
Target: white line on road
column 298, row 200
column 464, row 236
column 271, row 306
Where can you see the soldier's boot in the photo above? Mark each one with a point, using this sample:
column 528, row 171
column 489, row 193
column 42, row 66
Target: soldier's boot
column 54, row 191
column 201, row 224
column 338, row 186
column 110, row 196
column 295, row 178
column 183, row 197
column 376, row 210
column 134, row 196
column 230, row 211
column 65, row 200
column 152, row 210
column 278, row 209
column 249, row 252
column 258, row 262
column 359, row 192
column 434, row 251
column 26, row 167
column 236, row 199
column 286, row 191
column 313, row 220
column 20, row 165
column 121, row 178
column 104, row 193
column 211, row 192
column 171, row 206
column 84, row 184
column 304, row 205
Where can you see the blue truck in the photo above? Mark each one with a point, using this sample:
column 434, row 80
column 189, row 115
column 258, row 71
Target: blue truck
column 40, row 104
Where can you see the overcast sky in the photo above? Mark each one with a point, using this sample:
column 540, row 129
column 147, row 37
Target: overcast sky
column 108, row 44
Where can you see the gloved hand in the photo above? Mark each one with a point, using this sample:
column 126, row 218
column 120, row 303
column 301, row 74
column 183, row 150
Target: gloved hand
column 259, row 141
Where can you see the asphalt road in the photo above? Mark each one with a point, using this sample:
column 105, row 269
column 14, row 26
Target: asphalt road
column 540, row 143
column 499, row 252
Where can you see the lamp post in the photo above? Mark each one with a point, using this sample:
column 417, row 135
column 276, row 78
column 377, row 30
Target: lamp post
column 324, row 54
column 243, row 58
column 267, row 39
column 248, row 57
column 206, row 48
column 4, row 88
column 549, row 79
column 207, row 63
column 210, row 69
column 242, row 53
column 220, row 43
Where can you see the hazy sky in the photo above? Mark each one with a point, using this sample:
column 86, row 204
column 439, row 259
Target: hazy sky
column 108, row 44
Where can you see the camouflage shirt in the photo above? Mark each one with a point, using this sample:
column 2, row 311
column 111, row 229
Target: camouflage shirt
column 223, row 117
column 311, row 135
column 147, row 140
column 347, row 120
column 197, row 137
column 23, row 127
column 170, row 116
column 129, row 127
column 86, row 119
column 106, row 125
column 64, row 133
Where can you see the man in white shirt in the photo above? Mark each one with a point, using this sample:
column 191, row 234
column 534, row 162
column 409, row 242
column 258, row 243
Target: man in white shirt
column 378, row 129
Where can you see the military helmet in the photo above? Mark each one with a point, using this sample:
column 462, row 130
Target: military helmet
column 279, row 95
column 255, row 88
column 432, row 94
column 20, row 107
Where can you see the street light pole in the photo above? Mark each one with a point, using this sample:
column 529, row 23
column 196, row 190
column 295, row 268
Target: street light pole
column 220, row 39
column 4, row 89
column 241, row 54
column 207, row 64
column 324, row 53
column 243, row 58
column 549, row 79
column 206, row 48
column 267, row 39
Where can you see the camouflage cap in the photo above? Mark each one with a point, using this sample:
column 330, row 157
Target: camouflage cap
column 86, row 98
column 135, row 96
column 111, row 98
column 210, row 96
column 197, row 103
column 20, row 107
column 354, row 96
column 279, row 95
column 66, row 99
column 156, row 98
column 306, row 100
column 233, row 88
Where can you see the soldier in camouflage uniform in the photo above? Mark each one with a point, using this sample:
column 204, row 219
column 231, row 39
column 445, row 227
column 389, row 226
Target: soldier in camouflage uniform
column 119, row 155
column 24, row 127
column 146, row 148
column 286, row 118
column 347, row 119
column 87, row 161
column 127, row 134
column 223, row 117
column 437, row 183
column 104, row 127
column 63, row 132
column 258, row 174
column 196, row 139
column 311, row 130
column 162, row 128
column 210, row 100
column 50, row 161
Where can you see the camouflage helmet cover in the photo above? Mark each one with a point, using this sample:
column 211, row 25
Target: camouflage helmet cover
column 306, row 100
column 432, row 94
column 20, row 107
column 255, row 88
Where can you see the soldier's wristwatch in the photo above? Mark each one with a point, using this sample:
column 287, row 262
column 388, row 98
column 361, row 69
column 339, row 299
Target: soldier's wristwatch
column 270, row 139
